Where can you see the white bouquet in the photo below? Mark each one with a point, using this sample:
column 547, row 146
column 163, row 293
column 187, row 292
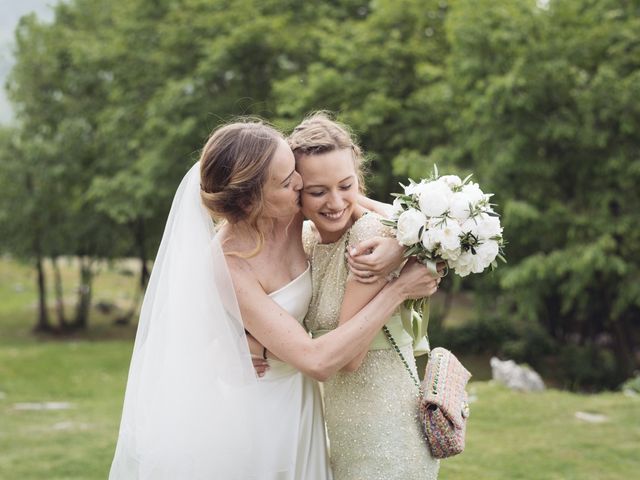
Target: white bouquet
column 445, row 219
column 448, row 219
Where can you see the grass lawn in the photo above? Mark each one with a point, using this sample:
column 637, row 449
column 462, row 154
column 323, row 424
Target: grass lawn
column 72, row 443
column 537, row 436
column 84, row 374
column 510, row 435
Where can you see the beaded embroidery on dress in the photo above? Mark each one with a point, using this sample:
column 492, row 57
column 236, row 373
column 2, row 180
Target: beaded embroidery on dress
column 371, row 414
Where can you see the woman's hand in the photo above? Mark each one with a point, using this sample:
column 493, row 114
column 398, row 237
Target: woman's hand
column 417, row 281
column 260, row 364
column 374, row 259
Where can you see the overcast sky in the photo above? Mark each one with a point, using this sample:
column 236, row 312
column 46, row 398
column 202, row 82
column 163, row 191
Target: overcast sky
column 10, row 13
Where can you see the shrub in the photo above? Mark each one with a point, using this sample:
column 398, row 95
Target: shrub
column 633, row 384
column 588, row 368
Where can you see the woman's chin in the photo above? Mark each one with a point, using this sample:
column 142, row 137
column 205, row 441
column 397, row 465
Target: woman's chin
column 331, row 228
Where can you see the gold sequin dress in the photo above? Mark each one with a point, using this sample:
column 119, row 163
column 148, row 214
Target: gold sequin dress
column 371, row 414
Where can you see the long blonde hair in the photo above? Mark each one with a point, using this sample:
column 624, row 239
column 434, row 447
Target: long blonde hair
column 234, row 167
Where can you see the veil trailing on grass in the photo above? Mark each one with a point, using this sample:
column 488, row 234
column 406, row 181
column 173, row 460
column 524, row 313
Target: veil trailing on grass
column 191, row 410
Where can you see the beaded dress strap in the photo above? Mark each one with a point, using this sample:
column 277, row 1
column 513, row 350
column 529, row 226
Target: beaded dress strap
column 397, row 349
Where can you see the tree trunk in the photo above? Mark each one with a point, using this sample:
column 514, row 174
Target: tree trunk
column 142, row 253
column 140, row 238
column 126, row 318
column 144, row 275
column 623, row 347
column 43, row 324
column 62, row 320
column 84, row 293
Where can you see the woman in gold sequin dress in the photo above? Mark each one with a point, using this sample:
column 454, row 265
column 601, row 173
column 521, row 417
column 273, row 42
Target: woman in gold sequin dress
column 371, row 405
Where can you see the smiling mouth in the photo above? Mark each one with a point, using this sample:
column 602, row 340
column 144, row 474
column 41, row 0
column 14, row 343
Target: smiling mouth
column 333, row 215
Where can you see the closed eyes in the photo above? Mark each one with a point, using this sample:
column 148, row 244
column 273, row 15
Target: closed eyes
column 344, row 188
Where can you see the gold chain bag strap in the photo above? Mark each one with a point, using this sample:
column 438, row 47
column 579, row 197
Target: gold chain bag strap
column 444, row 409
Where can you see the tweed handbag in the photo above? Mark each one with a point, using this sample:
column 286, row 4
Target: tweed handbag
column 444, row 406
column 443, row 409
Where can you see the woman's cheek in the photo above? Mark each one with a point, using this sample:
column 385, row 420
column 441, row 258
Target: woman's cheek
column 312, row 204
column 307, row 204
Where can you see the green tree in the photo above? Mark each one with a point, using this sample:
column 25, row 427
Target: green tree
column 381, row 71
column 114, row 100
column 24, row 213
column 546, row 109
column 57, row 100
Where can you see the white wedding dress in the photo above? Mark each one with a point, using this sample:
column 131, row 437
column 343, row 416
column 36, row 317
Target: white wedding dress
column 194, row 408
column 295, row 398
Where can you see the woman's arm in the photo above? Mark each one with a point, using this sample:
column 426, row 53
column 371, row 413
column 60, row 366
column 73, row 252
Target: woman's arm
column 320, row 358
column 368, row 231
column 383, row 209
column 356, row 296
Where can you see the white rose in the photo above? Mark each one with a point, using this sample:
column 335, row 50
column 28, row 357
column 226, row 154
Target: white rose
column 411, row 188
column 429, row 240
column 409, row 224
column 459, row 206
column 473, row 192
column 488, row 226
column 396, row 208
column 420, row 187
column 433, row 198
column 487, row 252
column 452, row 181
column 434, row 222
column 470, row 225
column 477, row 266
column 463, row 264
column 448, row 235
column 451, row 255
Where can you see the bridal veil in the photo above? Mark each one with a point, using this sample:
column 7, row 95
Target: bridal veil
column 191, row 410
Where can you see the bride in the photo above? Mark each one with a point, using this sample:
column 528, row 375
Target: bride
column 194, row 408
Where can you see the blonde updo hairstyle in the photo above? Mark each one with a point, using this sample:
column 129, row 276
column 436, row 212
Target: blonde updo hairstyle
column 319, row 133
column 234, row 167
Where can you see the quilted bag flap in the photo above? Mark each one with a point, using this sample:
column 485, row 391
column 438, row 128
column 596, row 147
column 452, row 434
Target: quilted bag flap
column 444, row 385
